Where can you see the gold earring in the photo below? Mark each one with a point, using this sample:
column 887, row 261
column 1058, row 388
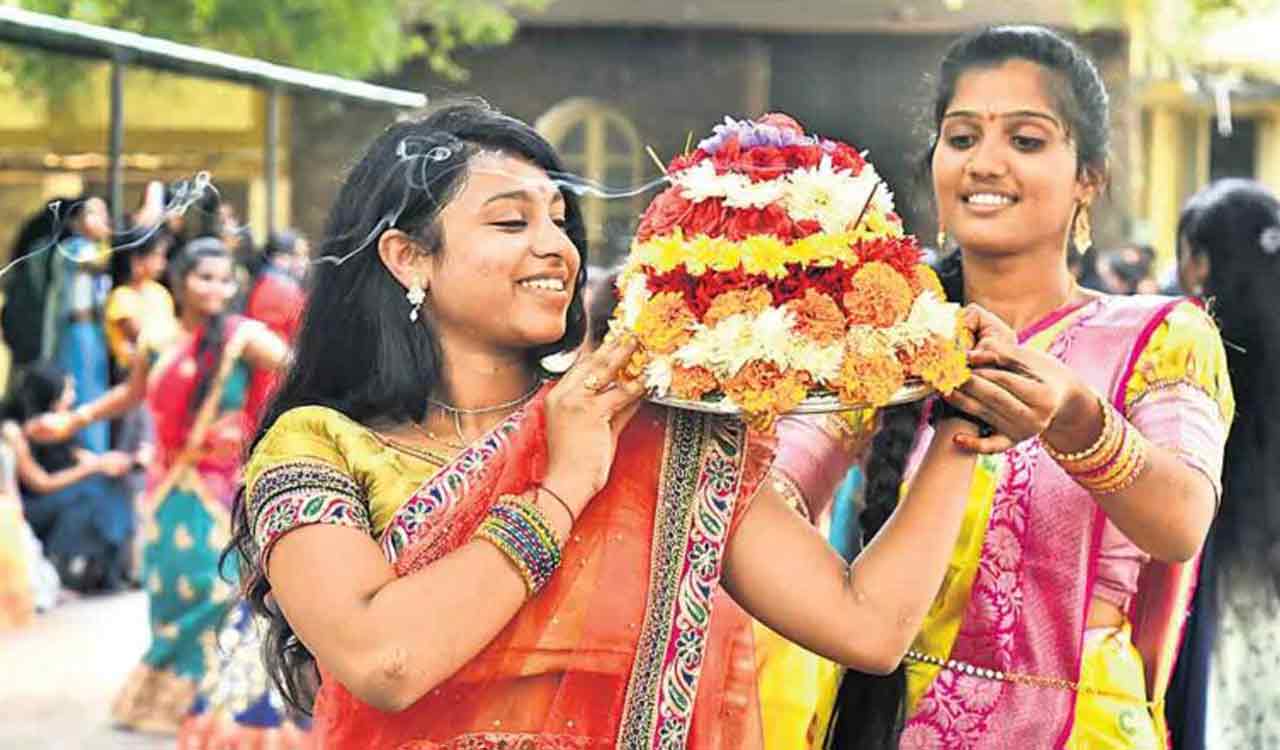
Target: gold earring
column 942, row 238
column 416, row 295
column 1082, row 231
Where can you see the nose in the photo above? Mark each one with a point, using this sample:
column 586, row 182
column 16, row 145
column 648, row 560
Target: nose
column 552, row 240
column 986, row 160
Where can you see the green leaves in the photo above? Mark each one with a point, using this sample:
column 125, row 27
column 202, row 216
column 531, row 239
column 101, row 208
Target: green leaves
column 353, row 38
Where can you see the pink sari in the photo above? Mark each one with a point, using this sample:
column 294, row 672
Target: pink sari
column 1030, row 598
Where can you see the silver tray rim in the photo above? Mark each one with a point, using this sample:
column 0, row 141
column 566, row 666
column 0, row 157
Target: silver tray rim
column 911, row 391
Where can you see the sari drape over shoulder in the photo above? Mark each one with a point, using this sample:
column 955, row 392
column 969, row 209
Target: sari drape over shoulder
column 632, row 644
column 1030, row 555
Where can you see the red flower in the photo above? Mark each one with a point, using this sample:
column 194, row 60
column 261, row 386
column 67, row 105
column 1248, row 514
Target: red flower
column 707, row 217
column 711, row 285
column 726, row 159
column 789, row 287
column 804, row 228
column 677, row 281
column 684, row 161
column 902, row 253
column 663, row 214
column 844, row 156
column 803, row 157
column 771, row 219
column 833, row 281
column 763, row 163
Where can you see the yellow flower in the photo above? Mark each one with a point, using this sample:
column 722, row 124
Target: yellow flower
column 700, row 254
column 667, row 251
column 927, row 281
column 940, row 363
column 752, row 302
column 764, row 254
column 665, row 323
column 726, row 255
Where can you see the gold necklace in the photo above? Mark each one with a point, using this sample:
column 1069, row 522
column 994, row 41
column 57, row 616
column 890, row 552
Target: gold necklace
column 437, row 439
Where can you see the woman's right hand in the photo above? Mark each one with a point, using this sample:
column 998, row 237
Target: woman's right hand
column 586, row 411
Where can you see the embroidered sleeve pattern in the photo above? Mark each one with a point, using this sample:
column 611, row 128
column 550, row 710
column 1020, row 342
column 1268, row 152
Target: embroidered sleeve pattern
column 1179, row 395
column 293, row 495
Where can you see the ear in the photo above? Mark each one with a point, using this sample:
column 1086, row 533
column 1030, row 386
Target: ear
column 404, row 258
column 1089, row 184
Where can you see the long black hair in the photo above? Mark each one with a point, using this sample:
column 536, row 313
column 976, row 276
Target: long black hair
column 870, row 708
column 1236, row 224
column 35, row 390
column 388, row 367
column 213, row 339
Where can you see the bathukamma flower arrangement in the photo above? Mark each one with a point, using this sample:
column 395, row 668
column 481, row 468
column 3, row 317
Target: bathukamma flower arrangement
column 773, row 274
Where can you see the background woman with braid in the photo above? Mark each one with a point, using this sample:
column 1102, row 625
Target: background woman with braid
column 1058, row 620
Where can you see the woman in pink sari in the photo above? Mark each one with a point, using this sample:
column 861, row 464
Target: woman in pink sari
column 460, row 555
column 1061, row 611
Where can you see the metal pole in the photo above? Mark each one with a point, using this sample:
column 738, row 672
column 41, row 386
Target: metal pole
column 116, row 145
column 271, row 155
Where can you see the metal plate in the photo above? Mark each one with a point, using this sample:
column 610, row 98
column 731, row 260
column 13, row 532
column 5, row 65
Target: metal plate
column 912, row 391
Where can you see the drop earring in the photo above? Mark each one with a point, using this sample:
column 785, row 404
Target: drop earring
column 416, row 295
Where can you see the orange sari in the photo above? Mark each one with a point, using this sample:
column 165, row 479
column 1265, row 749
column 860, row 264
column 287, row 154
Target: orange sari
column 632, row 644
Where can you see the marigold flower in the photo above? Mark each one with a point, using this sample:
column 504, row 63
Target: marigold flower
column 925, row 280
column 818, row 317
column 871, row 373
column 940, row 363
column 763, row 392
column 692, row 383
column 751, row 301
column 879, row 296
column 665, row 323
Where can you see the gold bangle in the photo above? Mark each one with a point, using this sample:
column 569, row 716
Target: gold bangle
column 1107, row 426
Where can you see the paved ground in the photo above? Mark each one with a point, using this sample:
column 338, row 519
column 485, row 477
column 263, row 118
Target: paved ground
column 58, row 676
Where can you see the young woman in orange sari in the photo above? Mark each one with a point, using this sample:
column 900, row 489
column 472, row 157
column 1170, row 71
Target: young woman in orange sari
column 461, row 555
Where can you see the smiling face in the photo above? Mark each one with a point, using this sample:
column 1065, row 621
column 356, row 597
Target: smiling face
column 210, row 285
column 1005, row 171
column 505, row 276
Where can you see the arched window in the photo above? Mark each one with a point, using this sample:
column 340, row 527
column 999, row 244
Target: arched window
column 599, row 143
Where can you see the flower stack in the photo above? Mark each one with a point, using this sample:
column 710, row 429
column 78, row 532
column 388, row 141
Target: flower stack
column 774, row 269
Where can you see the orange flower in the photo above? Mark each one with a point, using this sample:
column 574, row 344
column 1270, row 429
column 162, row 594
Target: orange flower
column 753, row 301
column 941, row 364
column 927, row 281
column 634, row 369
column 818, row 317
column 763, row 392
column 871, row 373
column 665, row 323
column 879, row 297
column 692, row 383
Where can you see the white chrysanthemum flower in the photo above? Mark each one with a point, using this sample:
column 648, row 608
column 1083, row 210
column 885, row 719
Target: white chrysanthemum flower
column 755, row 194
column 700, row 182
column 657, row 375
column 772, row 333
column 932, row 316
column 822, row 362
column 833, row 198
column 635, row 293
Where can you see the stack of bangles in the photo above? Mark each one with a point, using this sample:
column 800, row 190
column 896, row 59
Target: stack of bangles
column 1114, row 461
column 520, row 531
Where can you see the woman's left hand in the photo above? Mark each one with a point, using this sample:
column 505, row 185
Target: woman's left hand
column 1016, row 390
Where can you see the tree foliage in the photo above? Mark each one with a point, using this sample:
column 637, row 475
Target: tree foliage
column 354, row 38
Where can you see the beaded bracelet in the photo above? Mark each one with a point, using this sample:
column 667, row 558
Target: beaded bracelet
column 520, row 531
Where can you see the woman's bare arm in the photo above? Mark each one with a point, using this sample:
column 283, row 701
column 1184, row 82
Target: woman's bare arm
column 865, row 614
